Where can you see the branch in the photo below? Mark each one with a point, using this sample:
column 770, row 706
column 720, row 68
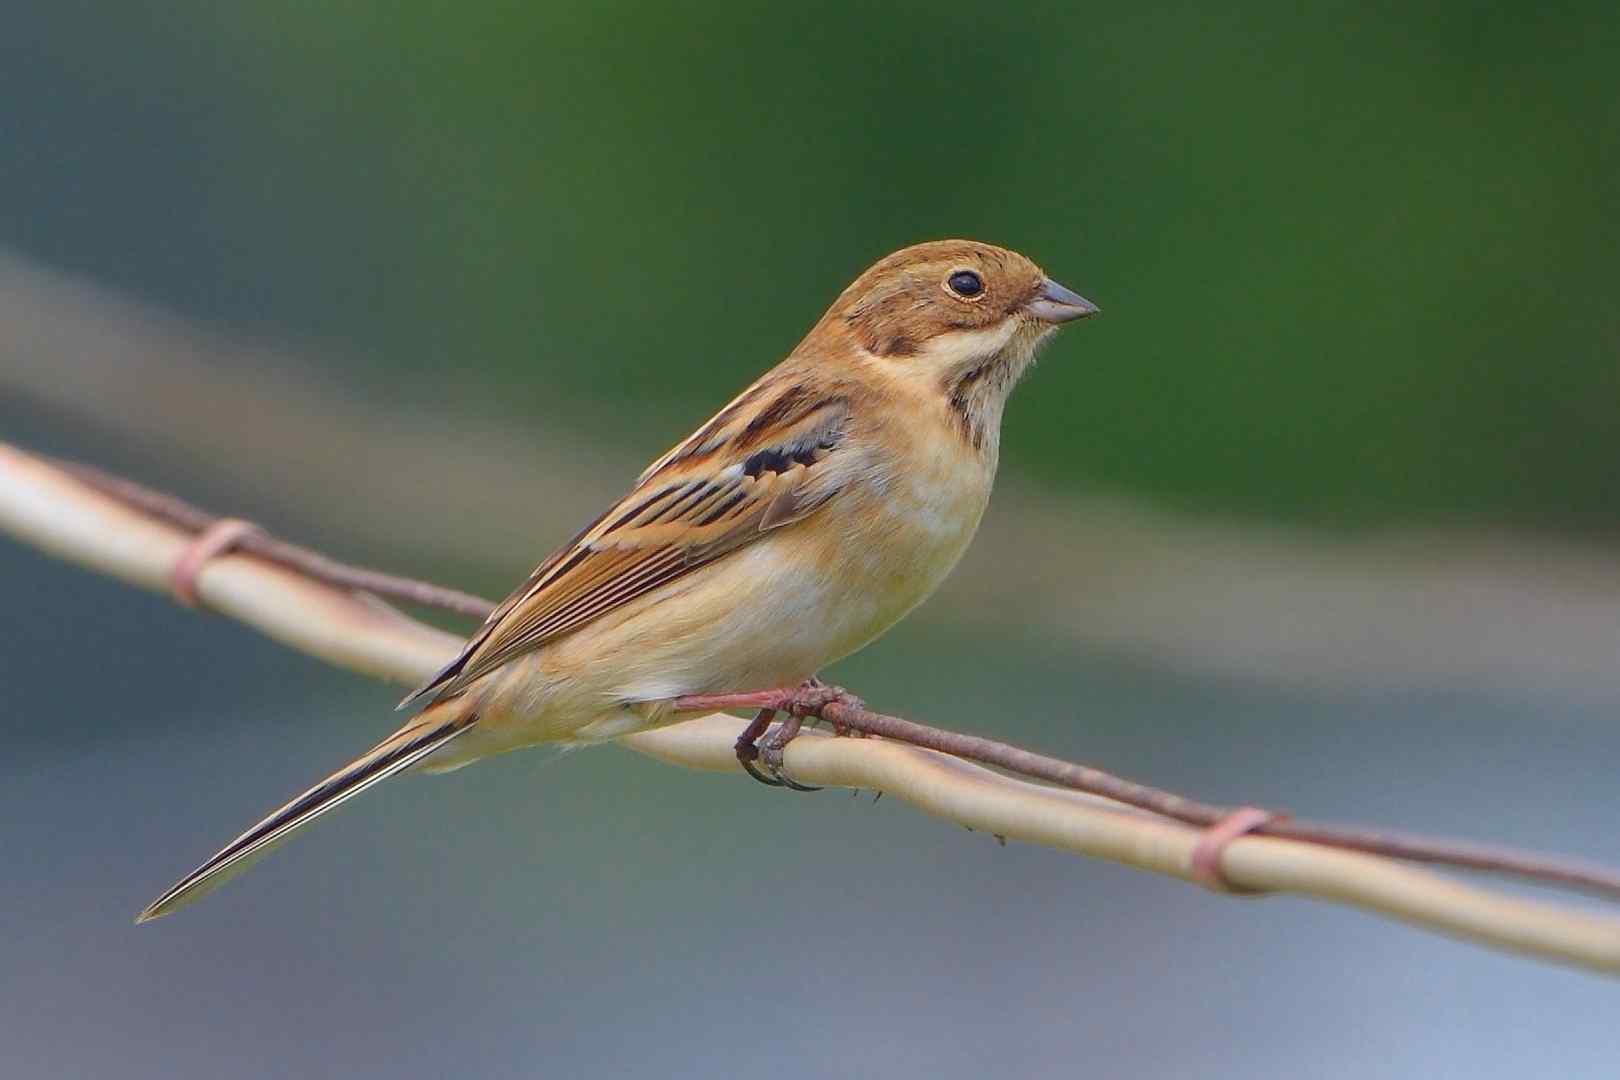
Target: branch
column 1401, row 845
column 309, row 602
column 176, row 511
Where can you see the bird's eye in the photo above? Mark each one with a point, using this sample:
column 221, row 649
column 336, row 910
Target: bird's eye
column 965, row 283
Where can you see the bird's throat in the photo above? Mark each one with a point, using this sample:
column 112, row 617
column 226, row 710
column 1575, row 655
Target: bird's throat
column 978, row 391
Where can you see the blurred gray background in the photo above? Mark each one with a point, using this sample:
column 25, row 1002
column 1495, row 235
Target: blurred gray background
column 1321, row 514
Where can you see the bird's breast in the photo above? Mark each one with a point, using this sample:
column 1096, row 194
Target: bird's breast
column 906, row 533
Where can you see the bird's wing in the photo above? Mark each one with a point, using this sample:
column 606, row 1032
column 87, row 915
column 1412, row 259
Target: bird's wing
column 766, row 460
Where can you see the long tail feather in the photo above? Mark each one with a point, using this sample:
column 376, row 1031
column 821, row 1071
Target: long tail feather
column 394, row 754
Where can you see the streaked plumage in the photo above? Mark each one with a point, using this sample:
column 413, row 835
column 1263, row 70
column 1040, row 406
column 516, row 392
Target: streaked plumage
column 805, row 518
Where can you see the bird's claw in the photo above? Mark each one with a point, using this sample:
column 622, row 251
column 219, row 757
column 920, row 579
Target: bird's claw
column 746, row 756
column 767, row 751
column 747, row 747
column 770, row 753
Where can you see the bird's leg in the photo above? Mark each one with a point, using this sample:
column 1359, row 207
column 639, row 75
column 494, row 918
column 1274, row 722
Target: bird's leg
column 747, row 747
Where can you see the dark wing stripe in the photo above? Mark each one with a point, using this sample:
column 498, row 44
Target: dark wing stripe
column 720, row 511
column 675, row 509
column 663, row 574
column 631, row 584
column 778, row 413
column 625, row 580
column 770, row 459
column 574, row 559
column 644, row 505
column 712, row 495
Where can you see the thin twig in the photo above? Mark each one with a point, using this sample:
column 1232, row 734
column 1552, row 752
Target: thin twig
column 1401, row 845
column 841, row 713
column 176, row 511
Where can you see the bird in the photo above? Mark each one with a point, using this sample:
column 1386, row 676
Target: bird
column 803, row 520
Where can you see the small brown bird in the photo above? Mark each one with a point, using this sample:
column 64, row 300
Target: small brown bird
column 799, row 523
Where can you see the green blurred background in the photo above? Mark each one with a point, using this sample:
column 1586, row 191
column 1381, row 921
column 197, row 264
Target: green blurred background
column 1358, row 270
column 1357, row 259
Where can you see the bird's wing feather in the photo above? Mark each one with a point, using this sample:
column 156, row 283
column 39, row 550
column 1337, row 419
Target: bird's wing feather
column 759, row 464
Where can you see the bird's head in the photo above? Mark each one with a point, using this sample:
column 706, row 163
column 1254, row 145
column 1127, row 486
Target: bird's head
column 962, row 317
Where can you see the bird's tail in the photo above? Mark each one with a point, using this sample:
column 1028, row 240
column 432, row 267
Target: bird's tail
column 428, row 732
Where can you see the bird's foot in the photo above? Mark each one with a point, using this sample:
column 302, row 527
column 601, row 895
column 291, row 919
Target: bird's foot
column 760, row 755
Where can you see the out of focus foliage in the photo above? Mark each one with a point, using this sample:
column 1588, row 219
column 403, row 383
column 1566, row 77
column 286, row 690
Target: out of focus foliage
column 1356, row 261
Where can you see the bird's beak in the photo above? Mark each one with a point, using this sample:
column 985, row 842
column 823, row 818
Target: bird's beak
column 1056, row 304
